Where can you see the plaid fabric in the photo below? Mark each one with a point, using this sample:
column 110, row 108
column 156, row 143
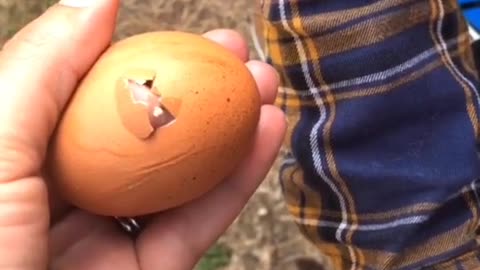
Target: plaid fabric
column 381, row 163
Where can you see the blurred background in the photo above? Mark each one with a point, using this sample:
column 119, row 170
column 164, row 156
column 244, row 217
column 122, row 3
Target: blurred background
column 263, row 237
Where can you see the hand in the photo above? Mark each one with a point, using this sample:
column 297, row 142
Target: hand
column 39, row 69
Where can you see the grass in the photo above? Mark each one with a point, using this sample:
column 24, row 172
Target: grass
column 216, row 258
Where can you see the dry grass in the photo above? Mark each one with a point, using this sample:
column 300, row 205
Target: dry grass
column 263, row 237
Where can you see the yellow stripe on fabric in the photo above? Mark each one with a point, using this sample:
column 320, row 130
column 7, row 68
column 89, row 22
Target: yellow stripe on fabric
column 314, row 55
column 391, row 214
column 276, row 55
column 366, row 92
column 311, row 197
column 337, row 254
column 464, row 44
column 316, row 24
column 435, row 15
column 330, row 102
column 375, row 30
column 435, row 246
column 378, row 259
column 473, row 208
column 366, row 33
column 468, row 261
column 292, row 177
column 391, row 86
column 329, row 20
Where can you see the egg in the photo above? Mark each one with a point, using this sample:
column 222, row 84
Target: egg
column 159, row 120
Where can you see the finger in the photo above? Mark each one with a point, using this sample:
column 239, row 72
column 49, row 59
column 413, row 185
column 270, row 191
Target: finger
column 267, row 80
column 232, row 40
column 87, row 242
column 265, row 75
column 39, row 69
column 189, row 230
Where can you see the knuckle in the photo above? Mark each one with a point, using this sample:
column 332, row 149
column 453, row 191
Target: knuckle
column 29, row 45
column 37, row 38
column 18, row 159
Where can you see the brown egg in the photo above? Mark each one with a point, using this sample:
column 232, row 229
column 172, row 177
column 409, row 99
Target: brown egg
column 159, row 120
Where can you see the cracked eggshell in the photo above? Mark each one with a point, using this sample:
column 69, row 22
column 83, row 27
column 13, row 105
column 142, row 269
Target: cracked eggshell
column 103, row 160
column 132, row 115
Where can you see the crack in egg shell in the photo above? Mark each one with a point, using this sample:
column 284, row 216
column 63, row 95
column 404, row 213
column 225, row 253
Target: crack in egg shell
column 140, row 105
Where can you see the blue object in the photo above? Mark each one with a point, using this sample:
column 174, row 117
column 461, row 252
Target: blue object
column 471, row 11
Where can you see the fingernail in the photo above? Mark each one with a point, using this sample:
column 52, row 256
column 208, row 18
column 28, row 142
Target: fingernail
column 77, row 3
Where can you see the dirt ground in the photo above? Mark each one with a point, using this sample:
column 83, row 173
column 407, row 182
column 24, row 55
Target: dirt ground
column 263, row 237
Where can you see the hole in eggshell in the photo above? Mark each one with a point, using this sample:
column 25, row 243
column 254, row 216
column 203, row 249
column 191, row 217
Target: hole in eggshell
column 148, row 83
column 141, row 108
column 142, row 93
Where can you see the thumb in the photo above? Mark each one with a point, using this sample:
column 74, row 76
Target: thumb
column 39, row 69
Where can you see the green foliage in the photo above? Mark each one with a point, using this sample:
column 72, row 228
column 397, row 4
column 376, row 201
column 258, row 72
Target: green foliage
column 217, row 257
column 51, row 2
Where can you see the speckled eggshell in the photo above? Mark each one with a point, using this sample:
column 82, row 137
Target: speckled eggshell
column 99, row 163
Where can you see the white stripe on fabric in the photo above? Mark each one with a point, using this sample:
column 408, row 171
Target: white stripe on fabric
column 473, row 186
column 447, row 54
column 386, row 74
column 367, row 227
column 473, row 33
column 383, row 75
column 290, row 161
column 314, row 134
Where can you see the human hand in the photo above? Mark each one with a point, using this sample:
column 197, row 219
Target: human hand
column 39, row 69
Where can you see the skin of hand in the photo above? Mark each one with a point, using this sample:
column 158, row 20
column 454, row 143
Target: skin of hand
column 39, row 69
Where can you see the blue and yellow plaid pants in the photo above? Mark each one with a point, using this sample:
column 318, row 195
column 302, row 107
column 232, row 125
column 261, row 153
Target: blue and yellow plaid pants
column 380, row 167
